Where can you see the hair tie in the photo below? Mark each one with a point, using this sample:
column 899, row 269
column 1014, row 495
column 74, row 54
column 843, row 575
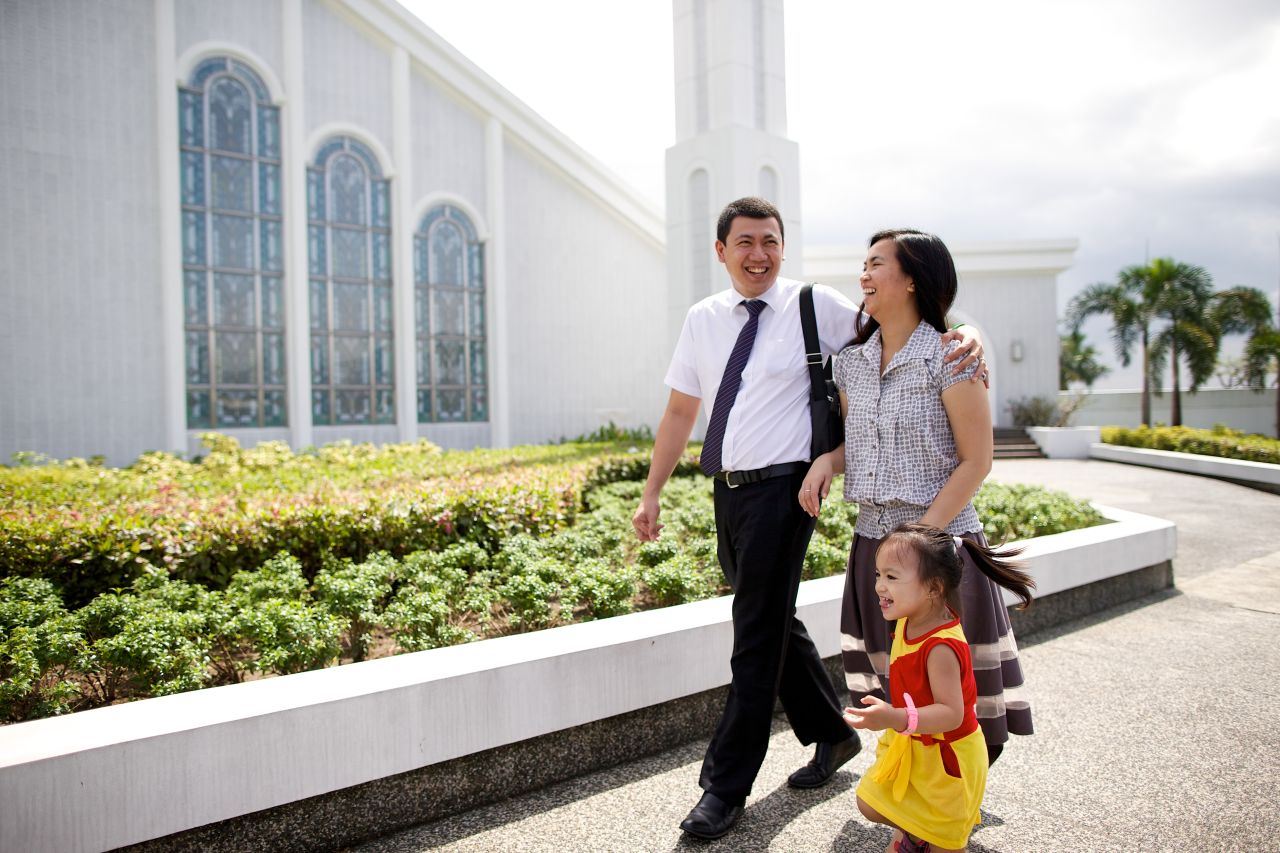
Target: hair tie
column 959, row 543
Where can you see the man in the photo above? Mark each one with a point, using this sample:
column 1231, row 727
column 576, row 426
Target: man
column 742, row 350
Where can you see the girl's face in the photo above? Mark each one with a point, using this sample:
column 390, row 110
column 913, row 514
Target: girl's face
column 885, row 287
column 898, row 585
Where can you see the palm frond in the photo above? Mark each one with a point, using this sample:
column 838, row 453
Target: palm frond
column 1199, row 347
column 1241, row 310
column 1260, row 353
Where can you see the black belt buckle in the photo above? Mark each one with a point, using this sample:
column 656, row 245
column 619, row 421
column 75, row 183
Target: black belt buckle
column 727, row 478
column 733, row 479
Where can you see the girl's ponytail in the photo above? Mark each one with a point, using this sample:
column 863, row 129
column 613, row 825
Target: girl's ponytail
column 1004, row 571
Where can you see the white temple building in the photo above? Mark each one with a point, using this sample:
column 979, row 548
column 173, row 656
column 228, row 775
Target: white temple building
column 313, row 220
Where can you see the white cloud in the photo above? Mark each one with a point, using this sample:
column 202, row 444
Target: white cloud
column 1228, row 121
column 604, row 79
column 1141, row 128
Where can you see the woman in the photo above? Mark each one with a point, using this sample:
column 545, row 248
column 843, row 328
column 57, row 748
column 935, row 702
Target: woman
column 918, row 444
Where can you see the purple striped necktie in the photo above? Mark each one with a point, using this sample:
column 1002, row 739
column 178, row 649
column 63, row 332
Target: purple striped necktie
column 729, row 384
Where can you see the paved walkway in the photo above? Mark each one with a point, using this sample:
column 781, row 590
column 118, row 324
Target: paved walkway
column 1157, row 721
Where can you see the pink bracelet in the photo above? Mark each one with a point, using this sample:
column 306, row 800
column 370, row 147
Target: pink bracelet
column 913, row 716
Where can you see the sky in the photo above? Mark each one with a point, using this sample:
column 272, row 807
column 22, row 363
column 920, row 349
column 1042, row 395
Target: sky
column 1141, row 128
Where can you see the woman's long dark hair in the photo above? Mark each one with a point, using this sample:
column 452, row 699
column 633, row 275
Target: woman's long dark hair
column 925, row 259
column 940, row 561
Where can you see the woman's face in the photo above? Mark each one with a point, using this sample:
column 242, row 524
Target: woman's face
column 885, row 287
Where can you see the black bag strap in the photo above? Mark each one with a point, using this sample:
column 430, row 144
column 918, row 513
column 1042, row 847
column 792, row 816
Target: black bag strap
column 812, row 349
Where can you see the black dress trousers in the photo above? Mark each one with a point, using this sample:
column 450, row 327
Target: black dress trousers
column 763, row 534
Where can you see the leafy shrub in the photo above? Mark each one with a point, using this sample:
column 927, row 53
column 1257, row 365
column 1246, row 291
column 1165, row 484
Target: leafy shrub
column 838, row 518
column 90, row 530
column 140, row 644
column 271, row 625
column 1221, row 441
column 531, row 593
column 439, row 592
column 278, row 578
column 692, row 518
column 614, row 433
column 38, row 642
column 290, row 636
column 681, row 579
column 824, row 559
column 545, row 586
column 1045, row 411
column 419, row 617
column 353, row 545
column 357, row 594
column 706, row 553
column 1023, row 512
column 634, row 467
column 656, row 552
column 601, row 588
column 580, row 544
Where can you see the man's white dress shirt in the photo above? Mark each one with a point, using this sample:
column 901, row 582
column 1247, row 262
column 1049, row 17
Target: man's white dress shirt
column 769, row 422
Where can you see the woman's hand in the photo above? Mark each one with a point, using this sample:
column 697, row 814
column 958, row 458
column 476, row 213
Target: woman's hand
column 969, row 351
column 877, row 716
column 817, row 483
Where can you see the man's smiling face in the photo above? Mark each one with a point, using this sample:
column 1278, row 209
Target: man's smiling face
column 752, row 254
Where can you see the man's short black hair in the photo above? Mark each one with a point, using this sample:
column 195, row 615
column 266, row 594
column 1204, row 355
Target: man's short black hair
column 751, row 207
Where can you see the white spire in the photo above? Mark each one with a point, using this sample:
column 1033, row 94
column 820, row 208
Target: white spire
column 731, row 124
column 729, row 66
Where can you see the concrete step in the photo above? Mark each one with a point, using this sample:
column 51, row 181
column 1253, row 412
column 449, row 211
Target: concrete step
column 1014, row 443
column 1017, row 452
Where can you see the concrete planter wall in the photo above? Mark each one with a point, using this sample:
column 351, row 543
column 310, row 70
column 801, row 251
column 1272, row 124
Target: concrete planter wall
column 1065, row 442
column 1258, row 475
column 324, row 759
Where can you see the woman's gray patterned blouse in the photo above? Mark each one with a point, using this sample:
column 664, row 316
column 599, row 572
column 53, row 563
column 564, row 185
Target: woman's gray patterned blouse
column 899, row 448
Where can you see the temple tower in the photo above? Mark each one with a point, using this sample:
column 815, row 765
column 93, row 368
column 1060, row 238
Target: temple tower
column 731, row 125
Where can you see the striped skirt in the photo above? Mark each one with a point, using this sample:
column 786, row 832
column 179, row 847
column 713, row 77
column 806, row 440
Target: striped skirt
column 1003, row 705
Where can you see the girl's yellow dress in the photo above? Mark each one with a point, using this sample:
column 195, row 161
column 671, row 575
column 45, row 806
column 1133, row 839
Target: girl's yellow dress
column 929, row 784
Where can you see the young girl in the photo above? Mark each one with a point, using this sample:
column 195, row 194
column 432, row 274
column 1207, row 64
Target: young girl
column 930, row 770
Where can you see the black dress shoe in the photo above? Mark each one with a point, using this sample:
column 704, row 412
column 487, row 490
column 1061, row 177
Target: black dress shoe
column 712, row 817
column 827, row 759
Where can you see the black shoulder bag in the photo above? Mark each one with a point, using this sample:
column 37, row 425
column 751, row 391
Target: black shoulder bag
column 824, row 397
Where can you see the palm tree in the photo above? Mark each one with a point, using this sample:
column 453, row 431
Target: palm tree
column 1247, row 310
column 1131, row 313
column 1182, row 294
column 1078, row 361
column 1261, row 349
column 1197, row 318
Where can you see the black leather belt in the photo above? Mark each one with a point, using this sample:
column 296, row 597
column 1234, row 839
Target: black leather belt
column 741, row 478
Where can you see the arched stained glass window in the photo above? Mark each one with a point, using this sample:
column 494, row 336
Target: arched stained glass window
column 232, row 256
column 349, row 244
column 449, row 319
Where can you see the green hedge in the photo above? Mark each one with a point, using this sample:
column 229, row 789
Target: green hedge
column 1220, row 441
column 92, row 529
column 496, row 542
